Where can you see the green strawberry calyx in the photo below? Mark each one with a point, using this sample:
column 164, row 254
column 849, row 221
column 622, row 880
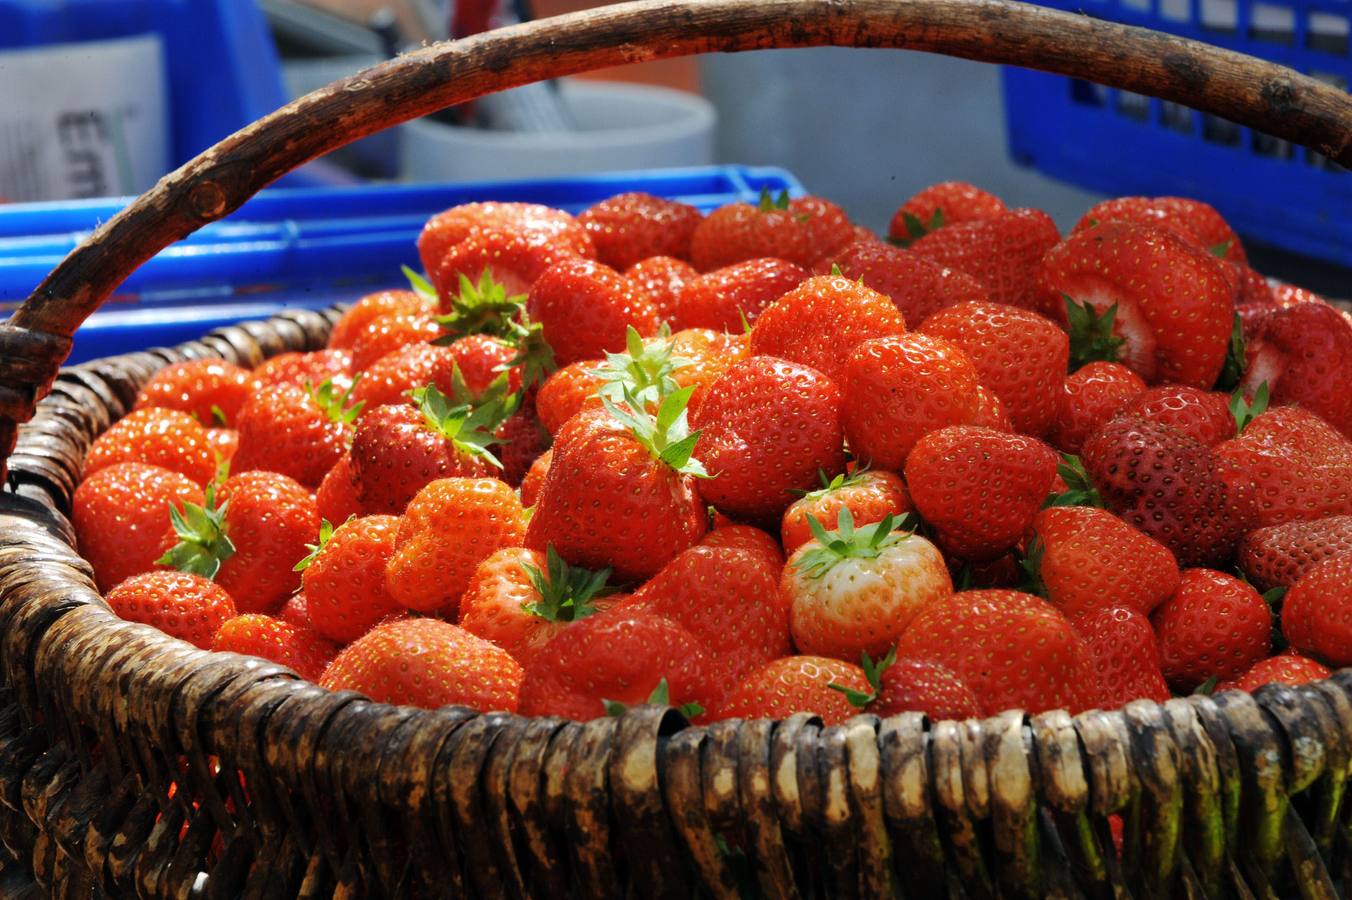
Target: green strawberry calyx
column 1245, row 410
column 420, row 285
column 469, row 426
column 873, row 672
column 644, row 369
column 534, row 357
column 565, row 591
column 667, row 436
column 769, row 202
column 1091, row 333
column 326, row 531
column 848, row 542
column 1031, row 565
column 484, row 308
column 661, row 696
column 335, row 405
column 1080, row 490
column 916, row 229
column 831, row 485
column 1232, row 372
column 203, row 543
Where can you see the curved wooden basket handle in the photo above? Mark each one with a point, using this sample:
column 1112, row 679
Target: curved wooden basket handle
column 1245, row 90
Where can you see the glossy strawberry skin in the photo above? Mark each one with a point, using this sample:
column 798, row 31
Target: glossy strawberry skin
column 1197, row 222
column 566, row 392
column 820, row 322
column 607, row 503
column 390, row 379
column 869, row 496
column 1001, row 253
column 372, row 306
column 427, row 663
column 301, row 369
column 345, row 584
column 706, row 356
column 516, row 257
column 726, row 298
column 910, row 685
column 663, row 280
column 1303, row 353
column 618, row 655
column 1014, row 650
column 1287, row 668
column 185, row 606
column 283, row 429
column 1126, row 660
column 395, row 454
column 898, row 389
column 766, row 427
column 521, row 440
column 451, row 526
column 206, row 389
column 388, row 333
column 1317, row 612
column 585, row 308
column 120, row 513
column 1214, row 625
column 1175, row 303
column 1278, row 555
column 795, row 684
column 634, row 226
column 452, row 226
column 807, row 230
column 918, row 286
column 166, row 438
column 338, row 496
column 1090, row 397
column 979, row 488
column 535, row 478
column 1018, row 354
column 1202, row 415
column 954, row 201
column 1091, row 560
column 254, row 634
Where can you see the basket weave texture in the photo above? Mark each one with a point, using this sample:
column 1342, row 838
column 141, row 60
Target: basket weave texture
column 132, row 764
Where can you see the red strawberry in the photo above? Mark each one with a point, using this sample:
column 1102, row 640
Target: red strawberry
column 297, row 432
column 566, row 392
column 120, row 513
column 1087, row 559
column 392, row 378
column 257, row 635
column 919, row 287
column 1172, row 488
column 1014, row 650
column 535, row 478
column 945, row 203
column 663, row 279
column 868, row 495
column 247, row 538
column 1204, row 416
column 1317, row 611
column 852, row 591
column 910, row 685
column 990, row 412
column 451, row 526
column 1142, row 296
column 727, row 299
column 166, row 438
column 898, row 389
column 630, row 227
column 1194, row 221
column 513, row 256
column 386, row 334
column 1288, row 668
column 1018, row 354
column 1125, row 658
column 1214, row 626
column 621, row 656
column 210, row 390
column 295, row 611
column 1277, row 556
column 1300, row 466
column 182, row 605
column 344, row 579
column 397, row 450
column 728, row 599
column 521, row 439
column 304, row 369
column 820, row 322
column 520, row 599
column 745, row 537
column 224, row 442
column 795, row 684
column 1001, row 253
column 382, row 303
column 620, row 492
column 427, row 663
column 766, row 427
column 704, row 355
column 979, row 488
column 338, row 497
column 447, row 229
column 801, row 230
column 585, row 309
column 1303, row 353
column 1091, row 396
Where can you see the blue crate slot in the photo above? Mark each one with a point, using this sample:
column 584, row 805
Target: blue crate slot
column 308, row 247
column 1119, row 143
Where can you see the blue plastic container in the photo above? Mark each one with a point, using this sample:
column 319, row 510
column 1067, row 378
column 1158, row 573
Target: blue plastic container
column 1119, row 143
column 302, row 247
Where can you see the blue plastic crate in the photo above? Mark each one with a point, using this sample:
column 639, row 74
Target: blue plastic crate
column 302, row 247
column 1120, row 143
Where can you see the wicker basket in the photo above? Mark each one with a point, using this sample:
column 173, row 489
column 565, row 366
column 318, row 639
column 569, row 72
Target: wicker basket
column 132, row 764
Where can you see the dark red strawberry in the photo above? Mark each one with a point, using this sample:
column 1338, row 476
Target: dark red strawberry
column 1317, row 611
column 732, row 297
column 1277, row 556
column 1288, row 668
column 1002, row 253
column 1090, row 397
column 918, row 286
column 1202, row 415
column 1125, row 658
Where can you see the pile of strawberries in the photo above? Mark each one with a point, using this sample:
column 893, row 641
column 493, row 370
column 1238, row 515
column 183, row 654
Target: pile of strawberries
column 763, row 462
